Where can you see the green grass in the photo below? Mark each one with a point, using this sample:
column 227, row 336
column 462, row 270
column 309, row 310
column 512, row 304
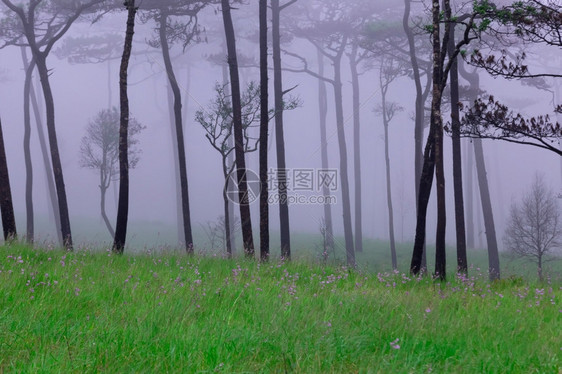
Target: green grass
column 90, row 312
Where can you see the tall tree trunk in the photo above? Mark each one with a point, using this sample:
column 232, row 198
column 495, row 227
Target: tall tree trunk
column 487, row 212
column 123, row 205
column 231, row 213
column 388, row 181
column 469, row 170
column 264, row 123
column 47, row 163
column 419, row 115
column 356, row 148
column 177, row 179
column 493, row 255
column 462, row 266
column 245, row 217
column 228, row 161
column 437, row 122
column 440, row 250
column 426, row 183
column 40, row 59
column 227, row 210
column 323, row 111
column 30, row 227
column 346, row 203
column 433, row 160
column 279, row 133
column 6, row 205
column 186, row 218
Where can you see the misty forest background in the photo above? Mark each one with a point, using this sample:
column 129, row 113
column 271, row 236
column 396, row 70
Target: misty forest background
column 370, row 45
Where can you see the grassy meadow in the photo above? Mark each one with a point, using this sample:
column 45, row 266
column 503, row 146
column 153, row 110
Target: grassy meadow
column 91, row 311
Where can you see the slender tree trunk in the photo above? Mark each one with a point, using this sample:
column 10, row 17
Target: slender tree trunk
column 227, row 212
column 186, row 218
column 388, row 182
column 346, row 203
column 55, row 156
column 177, row 179
column 486, row 203
column 229, row 161
column 433, row 160
column 123, row 205
column 103, row 191
column 419, row 114
column 440, row 250
column 279, row 132
column 539, row 269
column 264, row 123
column 6, row 205
column 493, row 255
column 245, row 217
column 30, row 227
column 356, row 149
column 462, row 266
column 323, row 111
column 469, row 170
column 47, row 163
column 419, row 107
column 104, row 185
column 426, row 181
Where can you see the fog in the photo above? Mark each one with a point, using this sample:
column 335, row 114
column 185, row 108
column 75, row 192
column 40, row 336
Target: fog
column 82, row 90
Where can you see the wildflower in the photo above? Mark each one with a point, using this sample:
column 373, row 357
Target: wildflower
column 427, row 310
column 394, row 344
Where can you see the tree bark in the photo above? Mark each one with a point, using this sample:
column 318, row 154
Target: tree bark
column 469, row 170
column 177, row 179
column 186, row 217
column 227, row 210
column 419, row 114
column 493, row 255
column 51, row 188
column 486, row 203
column 462, row 265
column 264, row 123
column 6, row 205
column 356, row 148
column 40, row 59
column 245, row 216
column 30, row 227
column 123, row 205
column 426, row 182
column 279, row 132
column 346, row 204
column 323, row 112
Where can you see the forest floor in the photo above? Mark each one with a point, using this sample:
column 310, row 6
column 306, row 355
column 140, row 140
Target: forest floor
column 92, row 311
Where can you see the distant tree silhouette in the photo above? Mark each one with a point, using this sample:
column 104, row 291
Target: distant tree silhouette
column 99, row 151
column 534, row 229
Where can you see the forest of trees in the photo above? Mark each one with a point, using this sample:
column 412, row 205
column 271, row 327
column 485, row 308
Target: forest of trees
column 425, row 60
